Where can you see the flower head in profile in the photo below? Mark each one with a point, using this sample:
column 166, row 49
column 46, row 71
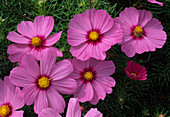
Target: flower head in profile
column 135, row 71
column 141, row 32
column 10, row 99
column 93, row 79
column 34, row 38
column 73, row 110
column 43, row 84
column 92, row 33
column 154, row 1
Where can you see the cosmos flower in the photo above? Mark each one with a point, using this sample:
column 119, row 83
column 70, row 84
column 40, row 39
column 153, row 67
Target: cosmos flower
column 43, row 84
column 141, row 32
column 154, row 1
column 93, row 79
column 92, row 33
column 34, row 38
column 135, row 71
column 10, row 99
column 73, row 110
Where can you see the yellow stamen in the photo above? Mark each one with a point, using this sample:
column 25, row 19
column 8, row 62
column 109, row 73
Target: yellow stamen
column 43, row 82
column 4, row 110
column 88, row 75
column 94, row 35
column 36, row 41
column 138, row 30
column 134, row 74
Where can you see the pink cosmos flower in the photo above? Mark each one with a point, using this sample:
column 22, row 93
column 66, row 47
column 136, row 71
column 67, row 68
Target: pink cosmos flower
column 135, row 71
column 141, row 32
column 92, row 33
column 93, row 79
column 10, row 99
column 73, row 110
column 154, row 1
column 43, row 84
column 33, row 39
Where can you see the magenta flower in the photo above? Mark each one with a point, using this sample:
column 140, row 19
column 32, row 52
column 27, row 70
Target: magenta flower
column 43, row 84
column 141, row 32
column 10, row 99
column 93, row 79
column 73, row 110
column 92, row 33
column 154, row 1
column 33, row 39
column 135, row 71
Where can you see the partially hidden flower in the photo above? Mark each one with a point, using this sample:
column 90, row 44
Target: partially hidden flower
column 43, row 84
column 135, row 71
column 93, row 79
column 73, row 110
column 92, row 33
column 154, row 1
column 141, row 32
column 34, row 38
column 10, row 99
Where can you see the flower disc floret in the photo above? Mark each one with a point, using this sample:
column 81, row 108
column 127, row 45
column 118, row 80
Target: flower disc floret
column 93, row 35
column 88, row 76
column 4, row 110
column 36, row 41
column 43, row 82
column 138, row 31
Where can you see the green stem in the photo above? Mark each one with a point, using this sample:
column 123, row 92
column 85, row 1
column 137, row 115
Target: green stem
column 136, row 3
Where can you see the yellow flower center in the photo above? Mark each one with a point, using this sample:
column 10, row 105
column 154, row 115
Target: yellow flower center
column 43, row 82
column 134, row 74
column 36, row 41
column 4, row 110
column 138, row 30
column 88, row 75
column 94, row 35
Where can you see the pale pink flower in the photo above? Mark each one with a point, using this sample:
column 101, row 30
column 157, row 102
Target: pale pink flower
column 10, row 99
column 92, row 33
column 135, row 71
column 34, row 38
column 93, row 79
column 154, row 1
column 141, row 32
column 73, row 110
column 43, row 84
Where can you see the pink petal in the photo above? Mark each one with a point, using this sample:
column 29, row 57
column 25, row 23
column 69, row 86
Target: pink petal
column 99, row 92
column 144, row 17
column 61, row 70
column 47, row 61
column 65, row 86
column 20, row 77
column 80, row 51
column 130, row 16
column 26, row 29
column 154, row 1
column 153, row 24
column 15, row 37
column 41, row 102
column 129, row 48
column 143, row 45
column 106, row 82
column 80, row 65
column 84, row 92
column 93, row 112
column 48, row 112
column 30, row 65
column 16, row 51
column 55, row 100
column 75, row 38
column 105, row 68
column 30, row 94
column 2, row 91
column 73, row 109
column 17, row 101
column 52, row 39
column 43, row 25
column 17, row 114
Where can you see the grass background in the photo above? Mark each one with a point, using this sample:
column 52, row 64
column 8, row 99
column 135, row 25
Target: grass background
column 129, row 98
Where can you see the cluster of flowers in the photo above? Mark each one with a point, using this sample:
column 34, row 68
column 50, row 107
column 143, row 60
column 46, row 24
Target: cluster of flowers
column 87, row 76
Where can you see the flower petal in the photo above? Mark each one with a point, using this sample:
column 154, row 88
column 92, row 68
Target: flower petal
column 144, row 17
column 48, row 112
column 73, row 109
column 93, row 112
column 17, row 114
column 2, row 91
column 26, row 29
